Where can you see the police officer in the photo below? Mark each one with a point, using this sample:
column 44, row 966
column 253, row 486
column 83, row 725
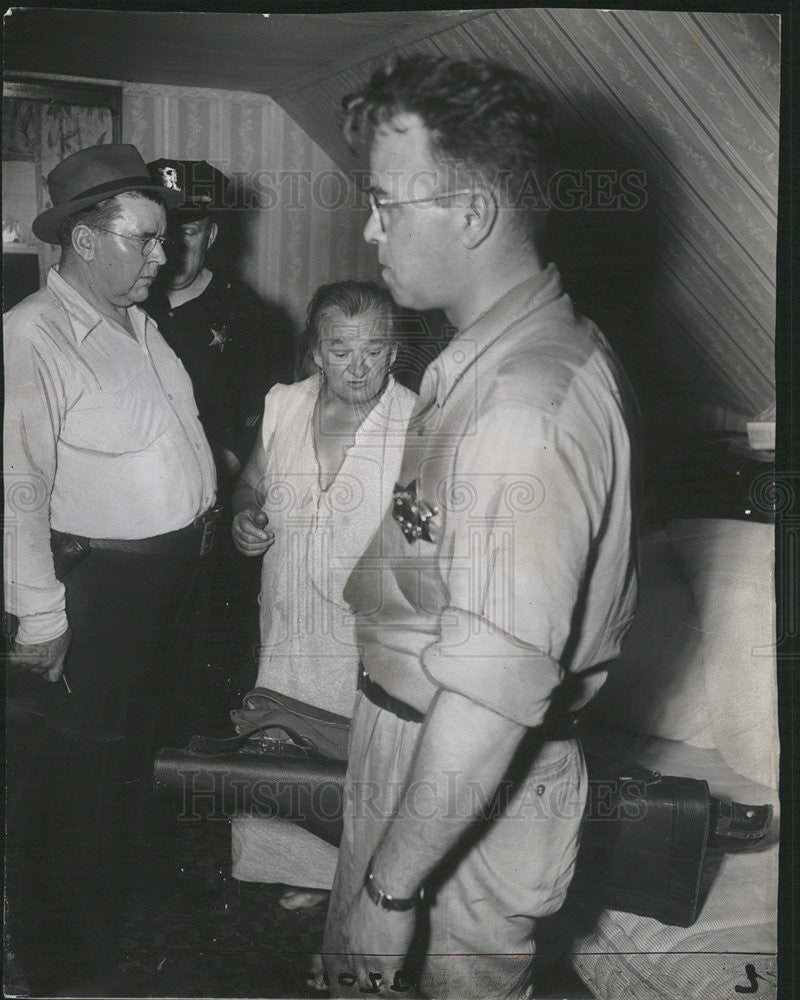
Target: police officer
column 235, row 349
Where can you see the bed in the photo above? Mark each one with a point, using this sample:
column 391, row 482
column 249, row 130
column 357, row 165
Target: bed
column 694, row 693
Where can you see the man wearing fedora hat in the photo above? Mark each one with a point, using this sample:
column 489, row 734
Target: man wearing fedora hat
column 110, row 492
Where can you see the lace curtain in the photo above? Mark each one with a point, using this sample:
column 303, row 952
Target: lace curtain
column 36, row 136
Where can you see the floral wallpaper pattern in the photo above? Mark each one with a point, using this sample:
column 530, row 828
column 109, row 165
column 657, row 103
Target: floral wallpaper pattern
column 40, row 135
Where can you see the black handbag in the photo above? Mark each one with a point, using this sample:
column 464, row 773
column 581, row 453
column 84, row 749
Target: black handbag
column 644, row 841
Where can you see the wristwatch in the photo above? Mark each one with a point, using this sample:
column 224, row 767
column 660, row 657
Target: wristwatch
column 384, row 900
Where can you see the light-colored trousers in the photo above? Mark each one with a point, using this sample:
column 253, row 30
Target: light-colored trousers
column 482, row 920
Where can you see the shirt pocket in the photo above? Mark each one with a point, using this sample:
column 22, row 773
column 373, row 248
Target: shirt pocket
column 117, row 420
column 177, row 382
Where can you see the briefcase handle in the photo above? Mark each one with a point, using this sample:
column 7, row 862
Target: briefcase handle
column 734, row 824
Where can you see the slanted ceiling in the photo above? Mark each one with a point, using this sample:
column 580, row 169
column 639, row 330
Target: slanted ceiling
column 684, row 285
column 261, row 53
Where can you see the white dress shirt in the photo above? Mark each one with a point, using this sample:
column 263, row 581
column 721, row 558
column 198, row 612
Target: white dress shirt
column 101, row 439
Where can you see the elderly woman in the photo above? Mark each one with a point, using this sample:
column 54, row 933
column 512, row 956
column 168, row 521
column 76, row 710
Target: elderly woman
column 310, row 498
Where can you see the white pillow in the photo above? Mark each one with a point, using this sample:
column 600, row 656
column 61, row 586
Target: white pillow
column 729, row 566
column 656, row 686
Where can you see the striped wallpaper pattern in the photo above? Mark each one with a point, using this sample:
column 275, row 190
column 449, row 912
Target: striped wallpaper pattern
column 685, row 289
column 301, row 230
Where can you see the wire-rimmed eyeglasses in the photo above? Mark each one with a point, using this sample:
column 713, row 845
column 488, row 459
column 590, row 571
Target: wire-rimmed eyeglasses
column 377, row 205
column 147, row 244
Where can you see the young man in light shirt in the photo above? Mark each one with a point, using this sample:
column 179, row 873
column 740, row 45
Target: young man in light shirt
column 505, row 575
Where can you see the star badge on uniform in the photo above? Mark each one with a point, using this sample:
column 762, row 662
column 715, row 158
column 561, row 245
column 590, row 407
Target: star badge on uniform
column 412, row 514
column 219, row 338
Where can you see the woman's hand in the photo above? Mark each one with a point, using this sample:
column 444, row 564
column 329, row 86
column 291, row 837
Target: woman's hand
column 250, row 534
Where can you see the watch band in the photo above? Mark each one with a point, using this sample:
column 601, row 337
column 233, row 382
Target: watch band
column 384, row 900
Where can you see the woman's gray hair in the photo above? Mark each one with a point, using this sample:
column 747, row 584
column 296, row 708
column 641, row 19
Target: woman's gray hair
column 353, row 298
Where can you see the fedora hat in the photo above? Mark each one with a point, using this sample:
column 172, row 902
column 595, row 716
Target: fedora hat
column 91, row 175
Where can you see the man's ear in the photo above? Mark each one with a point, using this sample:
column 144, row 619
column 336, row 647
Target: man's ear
column 83, row 242
column 213, row 229
column 479, row 218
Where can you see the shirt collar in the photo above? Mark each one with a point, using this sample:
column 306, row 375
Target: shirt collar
column 446, row 371
column 85, row 318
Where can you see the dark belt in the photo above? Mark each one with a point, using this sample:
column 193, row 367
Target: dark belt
column 196, row 538
column 382, row 699
column 565, row 727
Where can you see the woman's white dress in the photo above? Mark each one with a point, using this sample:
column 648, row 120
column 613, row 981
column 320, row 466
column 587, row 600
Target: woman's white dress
column 308, row 648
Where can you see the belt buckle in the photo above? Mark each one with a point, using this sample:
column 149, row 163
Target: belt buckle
column 208, row 523
column 207, row 538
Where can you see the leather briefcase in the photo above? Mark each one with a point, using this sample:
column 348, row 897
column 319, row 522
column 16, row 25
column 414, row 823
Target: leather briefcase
column 645, row 837
column 307, row 790
column 648, row 839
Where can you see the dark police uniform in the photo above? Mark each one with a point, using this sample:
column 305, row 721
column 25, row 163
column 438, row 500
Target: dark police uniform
column 233, row 355
column 234, row 348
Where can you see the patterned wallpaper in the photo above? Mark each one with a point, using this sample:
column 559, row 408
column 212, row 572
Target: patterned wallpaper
column 687, row 102
column 301, row 229
column 684, row 286
column 37, row 135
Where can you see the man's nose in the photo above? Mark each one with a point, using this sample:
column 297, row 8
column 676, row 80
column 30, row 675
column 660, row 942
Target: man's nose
column 373, row 232
column 159, row 253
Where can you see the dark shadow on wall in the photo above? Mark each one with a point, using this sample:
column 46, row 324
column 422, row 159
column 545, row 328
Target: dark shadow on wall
column 607, row 236
column 603, row 233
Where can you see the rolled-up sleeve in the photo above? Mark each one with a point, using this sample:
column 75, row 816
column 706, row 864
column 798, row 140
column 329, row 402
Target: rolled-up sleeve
column 33, row 405
column 519, row 514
